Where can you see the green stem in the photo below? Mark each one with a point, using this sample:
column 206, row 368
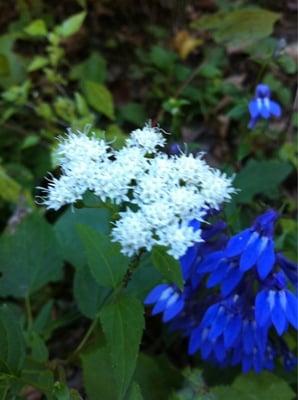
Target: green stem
column 28, row 311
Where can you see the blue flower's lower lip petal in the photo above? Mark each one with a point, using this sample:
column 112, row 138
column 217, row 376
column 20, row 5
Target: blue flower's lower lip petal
column 219, row 351
column 231, row 281
column 211, row 262
column 266, row 260
column 218, row 325
column 194, row 341
column 155, row 293
column 278, row 317
column 292, row 309
column 250, row 255
column 159, row 307
column 253, row 108
column 232, row 330
column 173, row 310
column 237, row 243
column 275, row 109
column 248, row 337
column 262, row 309
column 264, row 112
column 217, row 276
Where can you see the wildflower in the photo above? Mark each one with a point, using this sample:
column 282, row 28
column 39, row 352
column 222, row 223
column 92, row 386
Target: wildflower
column 262, row 106
column 167, row 300
column 161, row 193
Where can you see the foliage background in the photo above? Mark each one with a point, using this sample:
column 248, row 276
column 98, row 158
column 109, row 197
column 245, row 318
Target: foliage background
column 189, row 66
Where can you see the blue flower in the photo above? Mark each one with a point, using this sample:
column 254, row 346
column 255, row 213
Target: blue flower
column 167, row 299
column 277, row 305
column 262, row 106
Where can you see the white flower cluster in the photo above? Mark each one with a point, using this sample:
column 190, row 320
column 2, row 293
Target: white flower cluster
column 160, row 194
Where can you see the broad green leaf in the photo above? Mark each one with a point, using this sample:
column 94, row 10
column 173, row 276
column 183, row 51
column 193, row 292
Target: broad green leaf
column 37, row 346
column 36, row 28
column 43, row 318
column 167, row 265
column 37, row 63
column 107, row 264
column 12, row 345
column 264, row 386
column 14, row 63
column 94, row 69
column 71, row 25
column 4, row 65
column 163, row 58
column 98, row 376
column 134, row 392
column 156, row 377
column 241, row 26
column 36, row 374
column 10, row 190
column 123, row 324
column 100, row 98
column 36, row 258
column 65, row 227
column 88, row 295
column 260, row 177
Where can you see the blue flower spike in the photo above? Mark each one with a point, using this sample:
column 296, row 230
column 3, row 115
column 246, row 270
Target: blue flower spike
column 262, row 106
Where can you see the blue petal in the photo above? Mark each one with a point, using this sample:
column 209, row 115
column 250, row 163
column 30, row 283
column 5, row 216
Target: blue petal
column 232, row 279
column 217, row 276
column 206, row 349
column 246, row 363
column 232, row 330
column 278, row 317
column 262, row 308
column 188, row 260
column 292, row 309
column 257, row 362
column 264, row 111
column 266, row 260
column 248, row 334
column 210, row 263
column 220, row 351
column 173, row 310
column 253, row 108
column 237, row 243
column 218, row 325
column 155, row 293
column 275, row 108
column 195, row 340
column 210, row 315
column 251, row 252
column 252, row 123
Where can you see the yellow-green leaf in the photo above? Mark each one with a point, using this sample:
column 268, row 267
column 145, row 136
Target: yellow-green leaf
column 100, row 98
column 36, row 28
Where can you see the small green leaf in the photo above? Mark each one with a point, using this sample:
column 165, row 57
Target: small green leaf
column 123, row 324
column 37, row 63
column 36, row 28
column 98, row 375
column 94, row 69
column 12, row 345
column 100, row 98
column 134, row 113
column 87, row 292
column 264, row 386
column 36, row 258
column 4, row 65
column 36, row 344
column 167, row 265
column 71, row 25
column 10, row 190
column 107, row 264
column 61, row 391
column 260, row 177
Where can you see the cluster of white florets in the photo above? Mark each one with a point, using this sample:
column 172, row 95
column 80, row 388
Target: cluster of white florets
column 159, row 194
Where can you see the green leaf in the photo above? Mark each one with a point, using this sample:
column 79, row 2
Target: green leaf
column 36, row 344
column 12, row 345
column 100, row 98
column 107, row 264
column 134, row 113
column 36, row 258
column 88, row 295
column 4, row 65
column 94, row 69
column 37, row 63
column 157, row 377
column 98, row 375
column 43, row 318
column 240, row 26
column 264, row 386
column 35, row 373
column 123, row 324
column 135, row 392
column 260, row 177
column 65, row 227
column 167, row 265
column 10, row 190
column 36, row 28
column 71, row 25
column 163, row 58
